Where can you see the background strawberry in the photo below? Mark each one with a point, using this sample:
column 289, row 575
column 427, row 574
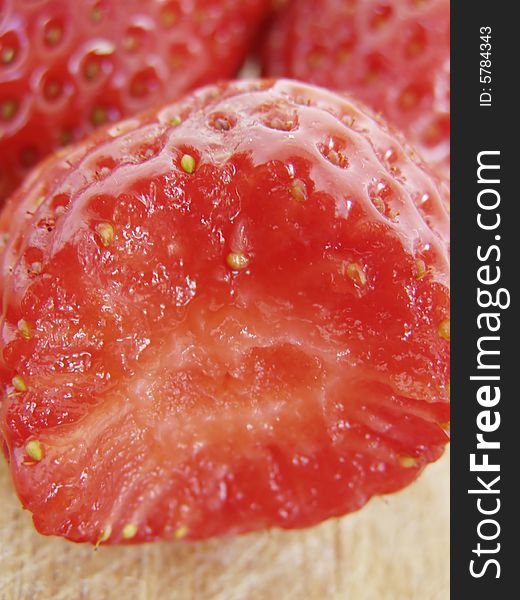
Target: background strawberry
column 392, row 54
column 67, row 67
column 229, row 314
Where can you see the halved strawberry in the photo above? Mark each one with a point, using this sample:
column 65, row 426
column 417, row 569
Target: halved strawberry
column 393, row 54
column 229, row 314
column 69, row 66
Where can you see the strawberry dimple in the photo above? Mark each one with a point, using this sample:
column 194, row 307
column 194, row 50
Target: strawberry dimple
column 66, row 68
column 224, row 315
column 393, row 55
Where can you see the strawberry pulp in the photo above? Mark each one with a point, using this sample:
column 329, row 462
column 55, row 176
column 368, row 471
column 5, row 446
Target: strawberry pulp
column 222, row 316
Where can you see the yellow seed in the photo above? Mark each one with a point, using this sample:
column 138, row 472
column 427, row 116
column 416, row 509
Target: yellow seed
column 96, row 15
column 379, row 20
column 99, row 116
column 422, row 271
column 8, row 55
column 446, row 426
column 200, row 16
column 34, row 450
column 433, row 133
column 66, row 137
column 408, row 99
column 19, row 384
column 282, row 123
column 167, row 18
column 130, row 43
column 343, row 55
column 25, row 329
column 188, row 163
column 371, row 76
column 356, row 273
column 393, row 214
column 379, row 203
column 444, row 329
column 175, row 121
column 52, row 90
column 237, row 261
column 106, row 233
column 8, row 109
column 315, row 59
column 129, row 531
column 303, row 101
column 407, row 461
column 181, row 532
column 92, row 69
column 348, row 120
column 414, row 48
column 176, row 62
column 53, row 35
column 298, row 190
column 105, row 535
column 337, row 158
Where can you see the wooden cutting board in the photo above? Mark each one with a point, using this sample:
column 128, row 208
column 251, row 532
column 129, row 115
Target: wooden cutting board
column 396, row 548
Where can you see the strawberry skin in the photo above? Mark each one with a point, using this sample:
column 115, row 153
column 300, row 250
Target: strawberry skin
column 394, row 55
column 228, row 314
column 68, row 66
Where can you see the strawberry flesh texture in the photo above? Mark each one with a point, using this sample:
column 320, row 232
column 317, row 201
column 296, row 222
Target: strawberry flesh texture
column 174, row 393
column 66, row 67
column 393, row 55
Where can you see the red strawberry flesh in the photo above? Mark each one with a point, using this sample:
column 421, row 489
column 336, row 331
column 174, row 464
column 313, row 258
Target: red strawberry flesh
column 226, row 315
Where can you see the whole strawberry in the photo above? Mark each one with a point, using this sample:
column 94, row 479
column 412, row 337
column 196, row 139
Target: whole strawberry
column 69, row 66
column 226, row 315
column 394, row 55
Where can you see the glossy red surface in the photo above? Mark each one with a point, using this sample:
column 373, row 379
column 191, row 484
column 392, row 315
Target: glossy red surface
column 67, row 66
column 228, row 314
column 394, row 55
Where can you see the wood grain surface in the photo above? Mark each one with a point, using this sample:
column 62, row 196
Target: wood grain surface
column 396, row 548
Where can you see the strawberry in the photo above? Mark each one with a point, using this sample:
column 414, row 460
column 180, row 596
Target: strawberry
column 66, row 67
column 393, row 54
column 228, row 314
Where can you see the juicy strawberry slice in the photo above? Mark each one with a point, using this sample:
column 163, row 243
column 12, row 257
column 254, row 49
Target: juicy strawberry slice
column 68, row 66
column 226, row 315
column 392, row 54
